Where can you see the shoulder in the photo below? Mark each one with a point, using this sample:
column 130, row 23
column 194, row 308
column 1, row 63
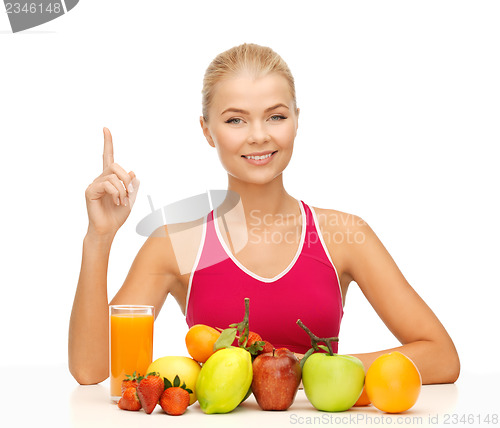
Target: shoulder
column 175, row 246
column 345, row 236
column 167, row 232
column 357, row 241
column 334, row 221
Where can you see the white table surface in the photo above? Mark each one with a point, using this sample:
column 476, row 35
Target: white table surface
column 62, row 402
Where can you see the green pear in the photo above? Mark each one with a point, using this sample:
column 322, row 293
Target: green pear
column 224, row 380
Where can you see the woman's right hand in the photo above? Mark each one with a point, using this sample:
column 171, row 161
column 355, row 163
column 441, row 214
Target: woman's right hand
column 110, row 196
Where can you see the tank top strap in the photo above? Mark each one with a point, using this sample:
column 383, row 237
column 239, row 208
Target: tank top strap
column 314, row 244
column 210, row 251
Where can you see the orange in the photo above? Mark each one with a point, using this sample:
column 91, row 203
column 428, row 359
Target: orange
column 393, row 383
column 200, row 341
column 363, row 399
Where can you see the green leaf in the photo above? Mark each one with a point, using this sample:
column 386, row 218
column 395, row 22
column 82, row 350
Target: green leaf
column 183, row 386
column 225, row 339
column 167, row 383
column 240, row 326
column 131, row 377
column 306, row 356
column 256, row 347
column 177, row 381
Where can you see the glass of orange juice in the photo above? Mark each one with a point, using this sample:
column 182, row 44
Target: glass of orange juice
column 130, row 343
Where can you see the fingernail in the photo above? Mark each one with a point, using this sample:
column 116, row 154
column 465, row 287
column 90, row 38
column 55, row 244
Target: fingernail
column 126, row 201
column 130, row 188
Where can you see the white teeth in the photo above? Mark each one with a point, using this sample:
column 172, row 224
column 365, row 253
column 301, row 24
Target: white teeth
column 259, row 157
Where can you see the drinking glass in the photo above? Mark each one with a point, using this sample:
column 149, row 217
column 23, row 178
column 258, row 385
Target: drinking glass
column 130, row 343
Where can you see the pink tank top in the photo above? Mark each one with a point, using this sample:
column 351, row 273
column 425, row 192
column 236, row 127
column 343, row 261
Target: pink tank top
column 308, row 289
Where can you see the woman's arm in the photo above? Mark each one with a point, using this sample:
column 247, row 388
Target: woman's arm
column 88, row 327
column 423, row 337
column 109, row 200
column 151, row 277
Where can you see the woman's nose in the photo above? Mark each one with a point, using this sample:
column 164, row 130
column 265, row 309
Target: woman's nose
column 258, row 134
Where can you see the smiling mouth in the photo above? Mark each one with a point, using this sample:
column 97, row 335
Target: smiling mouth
column 259, row 157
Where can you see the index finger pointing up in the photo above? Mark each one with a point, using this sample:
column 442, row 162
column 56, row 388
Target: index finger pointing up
column 107, row 157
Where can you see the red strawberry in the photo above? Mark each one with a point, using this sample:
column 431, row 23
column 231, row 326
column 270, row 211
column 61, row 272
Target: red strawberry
column 149, row 391
column 255, row 344
column 129, row 400
column 130, row 381
column 128, row 384
column 174, row 400
column 267, row 347
column 252, row 338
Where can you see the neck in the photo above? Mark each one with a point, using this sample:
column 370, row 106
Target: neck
column 263, row 199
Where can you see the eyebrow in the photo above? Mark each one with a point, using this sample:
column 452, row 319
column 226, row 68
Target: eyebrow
column 238, row 110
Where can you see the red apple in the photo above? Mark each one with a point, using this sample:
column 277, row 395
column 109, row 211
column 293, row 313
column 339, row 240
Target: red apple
column 276, row 379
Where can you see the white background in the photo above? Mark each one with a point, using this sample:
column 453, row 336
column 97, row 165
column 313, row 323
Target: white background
column 399, row 120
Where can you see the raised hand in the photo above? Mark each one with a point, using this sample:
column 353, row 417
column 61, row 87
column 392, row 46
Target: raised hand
column 111, row 195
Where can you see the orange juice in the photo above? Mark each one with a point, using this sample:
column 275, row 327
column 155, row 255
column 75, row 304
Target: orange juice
column 131, row 345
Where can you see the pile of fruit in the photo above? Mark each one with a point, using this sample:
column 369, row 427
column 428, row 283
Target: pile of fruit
column 228, row 365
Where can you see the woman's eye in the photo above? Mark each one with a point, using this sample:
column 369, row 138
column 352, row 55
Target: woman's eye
column 234, row 120
column 277, row 117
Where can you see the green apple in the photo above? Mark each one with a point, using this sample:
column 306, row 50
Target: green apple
column 333, row 383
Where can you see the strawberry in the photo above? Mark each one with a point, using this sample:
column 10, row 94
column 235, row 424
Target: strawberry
column 252, row 338
column 128, row 384
column 267, row 347
column 149, row 391
column 174, row 400
column 254, row 343
column 129, row 400
column 130, row 381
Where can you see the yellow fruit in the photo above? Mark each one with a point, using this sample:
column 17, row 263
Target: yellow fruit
column 393, row 383
column 224, row 380
column 186, row 368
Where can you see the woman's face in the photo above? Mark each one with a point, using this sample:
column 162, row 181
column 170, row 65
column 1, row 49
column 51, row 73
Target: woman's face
column 252, row 117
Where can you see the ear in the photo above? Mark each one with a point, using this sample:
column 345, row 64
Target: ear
column 206, row 131
column 298, row 112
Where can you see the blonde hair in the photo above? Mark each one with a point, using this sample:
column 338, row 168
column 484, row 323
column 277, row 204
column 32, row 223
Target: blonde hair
column 254, row 59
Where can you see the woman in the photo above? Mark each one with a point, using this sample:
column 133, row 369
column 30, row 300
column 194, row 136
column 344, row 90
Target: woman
column 292, row 260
